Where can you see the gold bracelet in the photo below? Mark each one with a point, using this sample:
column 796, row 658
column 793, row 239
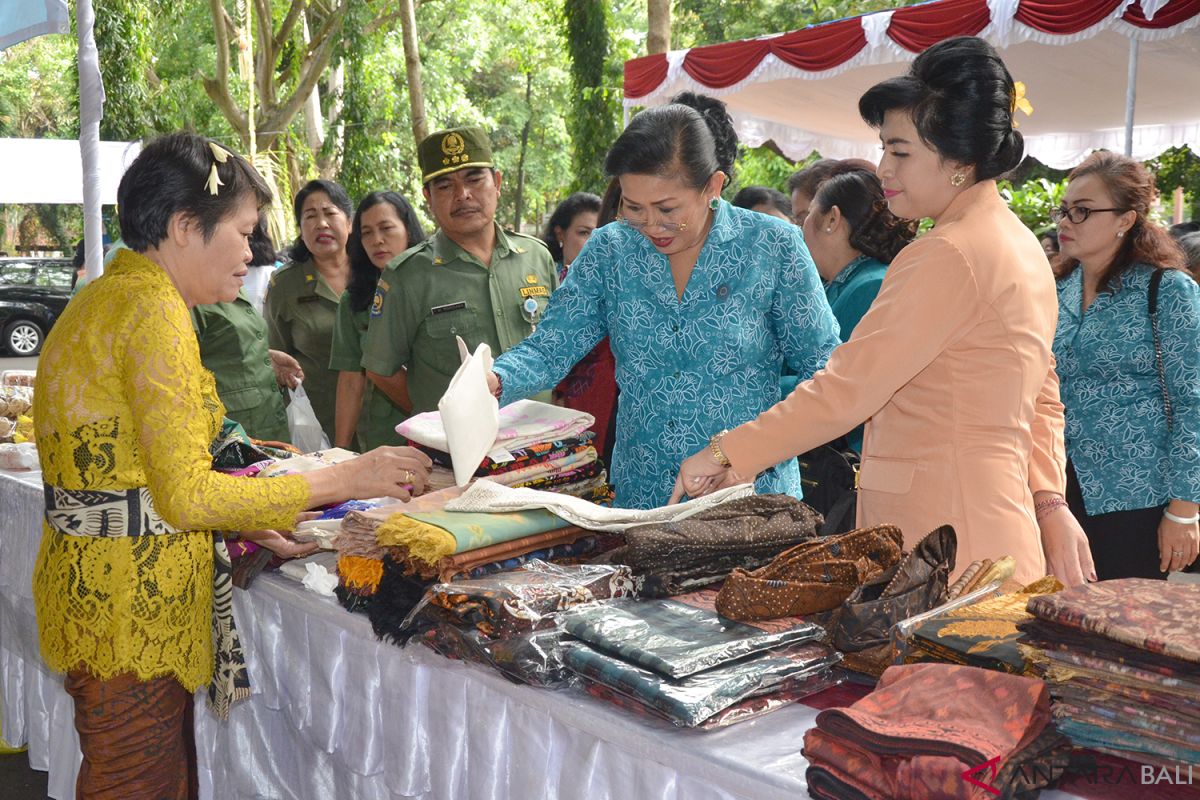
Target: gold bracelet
column 714, row 445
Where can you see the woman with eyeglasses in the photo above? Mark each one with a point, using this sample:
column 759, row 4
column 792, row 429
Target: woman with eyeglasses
column 702, row 303
column 1130, row 382
column 951, row 368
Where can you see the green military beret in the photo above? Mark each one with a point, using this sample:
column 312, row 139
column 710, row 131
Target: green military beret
column 454, row 149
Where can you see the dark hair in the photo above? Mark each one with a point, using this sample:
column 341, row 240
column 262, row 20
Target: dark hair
column 80, row 257
column 676, row 140
column 336, row 194
column 720, row 125
column 1181, row 229
column 751, row 196
column 564, row 214
column 364, row 275
column 806, row 180
column 610, row 203
column 262, row 249
column 961, row 98
column 1052, row 235
column 1189, row 243
column 171, row 176
column 1132, row 188
column 857, row 192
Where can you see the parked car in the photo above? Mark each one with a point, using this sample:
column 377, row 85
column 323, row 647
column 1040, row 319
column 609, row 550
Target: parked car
column 33, row 292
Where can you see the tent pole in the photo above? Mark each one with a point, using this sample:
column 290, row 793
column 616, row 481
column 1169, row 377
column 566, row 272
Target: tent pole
column 91, row 109
column 1131, row 95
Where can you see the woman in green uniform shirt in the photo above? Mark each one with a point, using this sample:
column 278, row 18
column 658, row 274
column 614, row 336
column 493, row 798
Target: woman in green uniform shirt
column 384, row 227
column 303, row 295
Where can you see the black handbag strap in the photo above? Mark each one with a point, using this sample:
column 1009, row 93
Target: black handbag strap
column 1155, row 280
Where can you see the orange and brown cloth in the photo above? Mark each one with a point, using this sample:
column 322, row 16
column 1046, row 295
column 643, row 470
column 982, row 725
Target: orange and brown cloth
column 938, row 730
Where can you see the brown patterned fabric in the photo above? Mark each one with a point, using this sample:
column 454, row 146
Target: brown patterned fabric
column 1146, row 614
column 136, row 738
column 811, row 577
column 964, row 580
column 678, row 557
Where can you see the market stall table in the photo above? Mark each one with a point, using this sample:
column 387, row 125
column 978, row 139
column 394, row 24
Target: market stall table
column 338, row 714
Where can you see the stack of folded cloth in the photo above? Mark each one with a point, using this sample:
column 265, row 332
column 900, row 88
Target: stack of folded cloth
column 538, row 445
column 679, row 660
column 938, row 730
column 981, row 634
column 1122, row 659
column 508, row 620
column 677, row 557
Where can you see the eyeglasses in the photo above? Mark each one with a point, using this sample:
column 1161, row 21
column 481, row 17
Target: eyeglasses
column 642, row 224
column 1078, row 214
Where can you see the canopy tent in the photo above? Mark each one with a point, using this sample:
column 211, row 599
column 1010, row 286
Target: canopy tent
column 51, row 170
column 24, row 19
column 800, row 89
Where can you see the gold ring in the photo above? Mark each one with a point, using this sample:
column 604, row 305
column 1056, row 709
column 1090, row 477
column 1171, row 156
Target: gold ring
column 408, row 476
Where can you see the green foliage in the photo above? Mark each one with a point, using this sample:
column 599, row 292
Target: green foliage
column 760, row 166
column 1032, row 201
column 592, row 117
column 122, row 31
column 701, row 22
column 1179, row 166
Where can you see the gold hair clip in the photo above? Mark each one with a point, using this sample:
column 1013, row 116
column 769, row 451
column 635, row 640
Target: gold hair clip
column 220, row 156
column 1020, row 102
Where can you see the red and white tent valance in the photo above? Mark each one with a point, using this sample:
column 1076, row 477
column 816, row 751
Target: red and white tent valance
column 801, row 88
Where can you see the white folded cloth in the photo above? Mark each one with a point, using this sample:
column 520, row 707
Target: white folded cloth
column 489, row 497
column 469, row 414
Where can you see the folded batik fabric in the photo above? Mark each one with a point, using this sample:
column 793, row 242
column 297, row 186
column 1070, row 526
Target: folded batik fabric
column 487, row 496
column 752, row 707
column 676, row 557
column 814, row 576
column 1149, row 615
column 691, row 700
column 427, row 537
column 982, row 634
column 921, row 729
column 461, row 564
column 677, row 638
column 529, row 598
column 523, row 423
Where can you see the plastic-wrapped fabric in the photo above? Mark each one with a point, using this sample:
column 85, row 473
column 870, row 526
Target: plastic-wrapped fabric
column 534, row 658
column 551, row 546
column 529, row 598
column 680, row 637
column 691, row 700
column 521, row 424
column 752, row 707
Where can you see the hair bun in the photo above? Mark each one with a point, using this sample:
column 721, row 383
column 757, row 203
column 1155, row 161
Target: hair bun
column 720, row 125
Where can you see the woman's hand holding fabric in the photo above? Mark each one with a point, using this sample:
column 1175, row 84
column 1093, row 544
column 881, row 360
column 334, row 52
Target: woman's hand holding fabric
column 401, row 472
column 1178, row 544
column 281, row 544
column 699, row 475
column 1068, row 554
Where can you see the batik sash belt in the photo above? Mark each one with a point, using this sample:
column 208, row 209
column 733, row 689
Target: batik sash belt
column 117, row 514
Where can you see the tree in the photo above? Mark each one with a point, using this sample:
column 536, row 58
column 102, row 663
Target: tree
column 123, row 29
column 591, row 119
column 412, row 71
column 658, row 17
column 286, row 65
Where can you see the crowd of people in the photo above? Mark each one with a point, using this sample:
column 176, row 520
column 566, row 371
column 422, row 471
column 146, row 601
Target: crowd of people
column 1046, row 404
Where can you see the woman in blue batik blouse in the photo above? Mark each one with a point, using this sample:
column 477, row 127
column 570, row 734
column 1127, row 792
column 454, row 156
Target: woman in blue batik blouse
column 1133, row 471
column 702, row 302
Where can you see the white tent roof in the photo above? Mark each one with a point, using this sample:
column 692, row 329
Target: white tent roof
column 51, row 170
column 1076, row 81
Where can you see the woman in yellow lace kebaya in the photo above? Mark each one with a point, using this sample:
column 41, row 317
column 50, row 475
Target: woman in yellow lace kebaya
column 124, row 585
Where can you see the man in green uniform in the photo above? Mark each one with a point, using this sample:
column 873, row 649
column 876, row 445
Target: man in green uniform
column 470, row 279
column 233, row 346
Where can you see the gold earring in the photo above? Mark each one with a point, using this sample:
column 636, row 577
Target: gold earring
column 958, row 179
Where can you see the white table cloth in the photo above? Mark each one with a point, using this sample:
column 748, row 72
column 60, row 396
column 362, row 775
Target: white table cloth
column 337, row 714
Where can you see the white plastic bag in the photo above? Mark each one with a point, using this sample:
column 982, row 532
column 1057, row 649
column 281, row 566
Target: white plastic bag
column 307, row 435
column 470, row 414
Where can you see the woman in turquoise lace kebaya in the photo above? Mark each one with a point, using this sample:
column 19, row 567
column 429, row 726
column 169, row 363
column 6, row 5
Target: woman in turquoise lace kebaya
column 703, row 304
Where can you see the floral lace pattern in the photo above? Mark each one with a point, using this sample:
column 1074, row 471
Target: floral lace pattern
column 122, row 401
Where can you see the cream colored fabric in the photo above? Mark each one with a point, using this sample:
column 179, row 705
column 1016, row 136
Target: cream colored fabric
column 485, row 496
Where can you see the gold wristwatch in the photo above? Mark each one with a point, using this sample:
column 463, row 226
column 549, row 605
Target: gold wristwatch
column 714, row 445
